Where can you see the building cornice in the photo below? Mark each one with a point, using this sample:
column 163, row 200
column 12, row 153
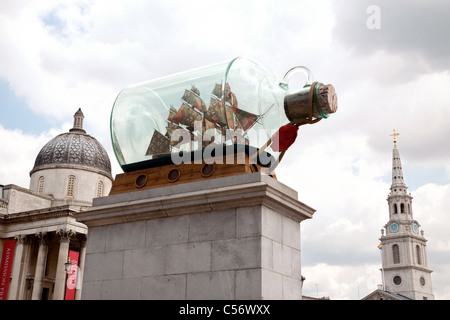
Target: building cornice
column 40, row 214
column 407, row 267
column 72, row 166
column 403, row 236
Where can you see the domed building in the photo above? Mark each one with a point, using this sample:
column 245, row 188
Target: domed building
column 42, row 245
column 73, row 167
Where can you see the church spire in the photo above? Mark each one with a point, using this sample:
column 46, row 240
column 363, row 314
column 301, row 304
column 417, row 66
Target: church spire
column 404, row 260
column 78, row 122
column 398, row 182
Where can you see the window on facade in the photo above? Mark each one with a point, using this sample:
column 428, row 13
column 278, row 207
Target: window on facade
column 70, row 186
column 422, row 281
column 41, row 185
column 396, row 253
column 402, row 208
column 418, row 255
column 99, row 188
column 397, row 280
column 395, row 208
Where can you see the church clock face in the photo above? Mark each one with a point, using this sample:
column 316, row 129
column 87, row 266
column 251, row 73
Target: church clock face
column 415, row 228
column 393, row 227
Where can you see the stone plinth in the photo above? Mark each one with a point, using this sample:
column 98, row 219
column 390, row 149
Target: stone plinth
column 227, row 238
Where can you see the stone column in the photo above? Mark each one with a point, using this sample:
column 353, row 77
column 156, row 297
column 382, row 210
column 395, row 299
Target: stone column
column 60, row 278
column 17, row 267
column 81, row 261
column 40, row 266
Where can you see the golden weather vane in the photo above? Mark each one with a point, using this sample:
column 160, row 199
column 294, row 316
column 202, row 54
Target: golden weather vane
column 395, row 134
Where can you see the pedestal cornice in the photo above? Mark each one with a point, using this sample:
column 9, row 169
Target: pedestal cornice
column 195, row 197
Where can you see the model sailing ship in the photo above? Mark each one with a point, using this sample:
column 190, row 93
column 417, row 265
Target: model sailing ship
column 223, row 113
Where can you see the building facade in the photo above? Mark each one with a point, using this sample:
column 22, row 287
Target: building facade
column 38, row 227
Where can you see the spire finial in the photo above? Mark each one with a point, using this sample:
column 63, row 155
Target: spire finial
column 395, row 134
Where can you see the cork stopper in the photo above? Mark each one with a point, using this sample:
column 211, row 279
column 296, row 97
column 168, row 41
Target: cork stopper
column 328, row 99
column 321, row 98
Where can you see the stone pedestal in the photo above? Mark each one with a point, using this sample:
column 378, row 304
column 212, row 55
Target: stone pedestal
column 236, row 237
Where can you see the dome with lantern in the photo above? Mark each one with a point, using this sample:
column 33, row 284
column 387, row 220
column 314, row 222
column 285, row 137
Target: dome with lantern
column 73, row 167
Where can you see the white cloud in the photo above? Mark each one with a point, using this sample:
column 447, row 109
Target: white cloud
column 66, row 45
column 340, row 282
column 338, row 178
column 17, row 155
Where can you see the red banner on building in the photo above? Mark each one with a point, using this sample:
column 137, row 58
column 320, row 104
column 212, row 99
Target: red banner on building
column 6, row 267
column 72, row 275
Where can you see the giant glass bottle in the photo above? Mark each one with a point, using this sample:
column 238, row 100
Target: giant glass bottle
column 198, row 112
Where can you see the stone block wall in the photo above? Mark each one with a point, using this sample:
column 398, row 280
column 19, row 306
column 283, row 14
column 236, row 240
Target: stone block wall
column 231, row 251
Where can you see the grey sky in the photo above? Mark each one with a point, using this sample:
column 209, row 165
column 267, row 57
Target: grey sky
column 415, row 29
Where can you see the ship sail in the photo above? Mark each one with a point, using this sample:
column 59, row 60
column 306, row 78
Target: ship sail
column 245, row 119
column 158, row 144
column 172, row 112
column 187, row 116
column 192, row 97
column 216, row 112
